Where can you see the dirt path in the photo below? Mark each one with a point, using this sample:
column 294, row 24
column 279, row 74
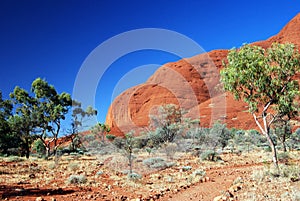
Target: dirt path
column 219, row 181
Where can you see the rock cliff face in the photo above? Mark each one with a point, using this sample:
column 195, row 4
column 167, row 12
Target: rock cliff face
column 193, row 84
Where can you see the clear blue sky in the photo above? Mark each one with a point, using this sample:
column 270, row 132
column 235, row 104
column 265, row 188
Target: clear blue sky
column 52, row 38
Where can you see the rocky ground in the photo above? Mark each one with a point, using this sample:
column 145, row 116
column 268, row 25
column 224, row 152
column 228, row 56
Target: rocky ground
column 236, row 177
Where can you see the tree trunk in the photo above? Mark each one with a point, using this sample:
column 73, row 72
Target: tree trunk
column 27, row 149
column 283, row 143
column 266, row 132
column 273, row 148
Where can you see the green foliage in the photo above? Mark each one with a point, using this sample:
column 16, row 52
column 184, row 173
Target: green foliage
column 199, row 173
column 128, row 148
column 134, row 176
column 14, row 159
column 39, row 147
column 6, row 138
column 166, row 125
column 79, row 118
column 110, row 137
column 170, row 149
column 119, row 142
column 100, row 129
column 186, row 168
column 38, row 114
column 73, row 166
column 157, row 163
column 283, row 131
column 263, row 78
column 260, row 76
column 210, row 155
column 77, row 179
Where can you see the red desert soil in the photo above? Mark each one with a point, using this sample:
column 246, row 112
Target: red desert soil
column 216, row 181
column 38, row 179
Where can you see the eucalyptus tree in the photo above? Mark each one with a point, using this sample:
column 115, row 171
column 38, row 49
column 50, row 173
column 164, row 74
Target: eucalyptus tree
column 101, row 129
column 79, row 118
column 24, row 121
column 7, row 139
column 50, row 109
column 264, row 79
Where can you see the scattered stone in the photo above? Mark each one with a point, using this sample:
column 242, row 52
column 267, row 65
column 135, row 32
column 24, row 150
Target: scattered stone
column 39, row 199
column 218, row 198
column 235, row 188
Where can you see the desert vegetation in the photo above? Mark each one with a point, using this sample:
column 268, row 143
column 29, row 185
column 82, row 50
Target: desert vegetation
column 173, row 154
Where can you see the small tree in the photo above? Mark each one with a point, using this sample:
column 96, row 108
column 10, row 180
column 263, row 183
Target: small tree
column 23, row 122
column 166, row 124
column 50, row 108
column 128, row 147
column 79, row 116
column 101, row 129
column 7, row 139
column 264, row 80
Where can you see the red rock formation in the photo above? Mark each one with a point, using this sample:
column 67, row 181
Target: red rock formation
column 193, row 84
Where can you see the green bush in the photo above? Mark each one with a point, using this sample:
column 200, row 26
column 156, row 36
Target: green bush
column 110, row 137
column 283, row 157
column 119, row 142
column 199, row 173
column 39, row 147
column 73, row 166
column 156, row 163
column 210, row 155
column 134, row 176
column 186, row 168
column 14, row 159
column 77, row 179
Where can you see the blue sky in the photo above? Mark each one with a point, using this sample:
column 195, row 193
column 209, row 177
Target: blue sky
column 52, row 38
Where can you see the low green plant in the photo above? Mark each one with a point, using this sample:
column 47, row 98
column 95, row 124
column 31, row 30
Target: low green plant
column 186, row 168
column 14, row 159
column 77, row 179
column 284, row 157
column 210, row 155
column 110, row 137
column 155, row 163
column 73, row 166
column 134, row 176
column 100, row 172
column 199, row 173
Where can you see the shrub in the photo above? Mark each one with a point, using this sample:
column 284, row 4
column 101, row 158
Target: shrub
column 148, row 150
column 156, row 163
column 14, row 159
column 99, row 173
column 210, row 155
column 119, row 142
column 186, row 168
column 39, row 147
column 140, row 142
column 77, row 179
column 283, row 157
column 291, row 172
column 73, row 166
column 199, row 173
column 52, row 166
column 110, row 137
column 134, row 176
column 170, row 149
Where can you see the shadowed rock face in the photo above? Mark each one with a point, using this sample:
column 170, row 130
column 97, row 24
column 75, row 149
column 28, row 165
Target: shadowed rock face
column 193, row 84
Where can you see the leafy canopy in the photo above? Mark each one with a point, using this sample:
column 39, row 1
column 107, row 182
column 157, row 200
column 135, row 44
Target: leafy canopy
column 264, row 77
